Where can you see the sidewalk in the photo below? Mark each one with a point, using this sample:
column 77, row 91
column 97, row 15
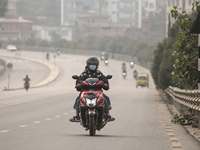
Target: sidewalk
column 54, row 71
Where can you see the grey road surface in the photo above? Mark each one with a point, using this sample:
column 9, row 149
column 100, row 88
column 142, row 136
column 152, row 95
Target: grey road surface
column 20, row 69
column 39, row 119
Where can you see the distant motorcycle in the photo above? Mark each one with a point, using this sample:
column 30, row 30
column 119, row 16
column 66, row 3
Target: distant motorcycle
column 106, row 62
column 26, row 85
column 135, row 75
column 131, row 65
column 47, row 56
column 124, row 74
column 102, row 57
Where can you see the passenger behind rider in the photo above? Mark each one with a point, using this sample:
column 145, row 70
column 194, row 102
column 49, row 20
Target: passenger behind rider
column 91, row 72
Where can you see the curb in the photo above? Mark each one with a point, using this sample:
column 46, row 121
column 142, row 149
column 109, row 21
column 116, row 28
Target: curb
column 54, row 72
column 186, row 127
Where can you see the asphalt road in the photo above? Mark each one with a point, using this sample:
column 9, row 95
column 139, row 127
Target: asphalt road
column 18, row 72
column 39, row 119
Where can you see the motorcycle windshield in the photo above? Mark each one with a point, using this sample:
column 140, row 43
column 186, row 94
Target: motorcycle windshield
column 92, row 84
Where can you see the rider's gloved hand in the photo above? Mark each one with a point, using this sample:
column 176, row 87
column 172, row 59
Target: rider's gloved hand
column 105, row 87
column 78, row 87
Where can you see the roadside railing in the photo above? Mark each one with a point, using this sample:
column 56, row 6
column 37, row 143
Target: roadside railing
column 185, row 99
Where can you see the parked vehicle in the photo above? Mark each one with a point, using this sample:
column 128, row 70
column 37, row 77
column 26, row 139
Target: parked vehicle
column 142, row 80
column 11, row 48
column 92, row 104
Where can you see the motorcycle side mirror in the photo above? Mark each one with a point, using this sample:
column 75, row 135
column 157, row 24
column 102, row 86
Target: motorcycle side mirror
column 75, row 77
column 108, row 76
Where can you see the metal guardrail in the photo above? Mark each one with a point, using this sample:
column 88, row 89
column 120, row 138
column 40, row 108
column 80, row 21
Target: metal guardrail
column 188, row 98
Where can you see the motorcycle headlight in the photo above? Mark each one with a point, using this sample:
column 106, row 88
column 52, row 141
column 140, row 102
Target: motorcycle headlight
column 91, row 102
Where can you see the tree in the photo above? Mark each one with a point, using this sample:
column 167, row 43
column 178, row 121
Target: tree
column 162, row 65
column 3, row 7
column 185, row 58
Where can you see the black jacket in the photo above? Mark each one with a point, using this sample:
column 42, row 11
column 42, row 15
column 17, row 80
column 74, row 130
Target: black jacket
column 92, row 74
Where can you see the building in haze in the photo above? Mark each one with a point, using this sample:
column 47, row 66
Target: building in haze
column 99, row 25
column 70, row 9
column 15, row 29
column 12, row 8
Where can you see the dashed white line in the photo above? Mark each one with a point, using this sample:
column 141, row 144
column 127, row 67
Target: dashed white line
column 48, row 119
column 37, row 122
column 72, row 111
column 65, row 113
column 23, row 126
column 57, row 116
column 4, row 131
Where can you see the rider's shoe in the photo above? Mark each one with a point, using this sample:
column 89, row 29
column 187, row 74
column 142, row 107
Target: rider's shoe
column 109, row 118
column 75, row 119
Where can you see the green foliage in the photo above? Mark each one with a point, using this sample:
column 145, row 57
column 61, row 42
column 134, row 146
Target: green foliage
column 183, row 118
column 162, row 61
column 185, row 57
column 3, row 7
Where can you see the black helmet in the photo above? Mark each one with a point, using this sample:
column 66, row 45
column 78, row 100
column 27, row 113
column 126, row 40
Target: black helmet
column 92, row 60
column 123, row 63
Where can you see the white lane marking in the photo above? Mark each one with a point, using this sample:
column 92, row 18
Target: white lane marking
column 30, row 100
column 23, row 126
column 72, row 111
column 48, row 119
column 65, row 113
column 57, row 116
column 37, row 122
column 4, row 131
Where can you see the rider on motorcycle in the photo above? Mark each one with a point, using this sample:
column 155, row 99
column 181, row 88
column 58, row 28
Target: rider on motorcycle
column 27, row 79
column 91, row 72
column 123, row 67
column 135, row 73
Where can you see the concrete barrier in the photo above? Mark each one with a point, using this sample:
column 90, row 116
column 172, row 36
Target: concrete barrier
column 2, row 67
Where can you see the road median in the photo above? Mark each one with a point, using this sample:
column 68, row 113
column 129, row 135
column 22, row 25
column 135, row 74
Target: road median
column 54, row 72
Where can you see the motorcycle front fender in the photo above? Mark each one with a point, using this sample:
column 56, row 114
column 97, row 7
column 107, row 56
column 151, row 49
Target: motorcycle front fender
column 91, row 112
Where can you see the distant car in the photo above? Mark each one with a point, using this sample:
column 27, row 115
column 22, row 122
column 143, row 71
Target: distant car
column 11, row 48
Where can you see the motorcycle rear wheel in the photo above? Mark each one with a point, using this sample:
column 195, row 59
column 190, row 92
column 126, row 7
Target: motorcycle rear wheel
column 91, row 126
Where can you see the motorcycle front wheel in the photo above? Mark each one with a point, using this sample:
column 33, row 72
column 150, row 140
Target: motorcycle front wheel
column 91, row 126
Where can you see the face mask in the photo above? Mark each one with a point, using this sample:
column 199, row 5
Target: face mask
column 92, row 67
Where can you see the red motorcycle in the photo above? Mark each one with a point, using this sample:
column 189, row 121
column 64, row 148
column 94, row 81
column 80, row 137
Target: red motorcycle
column 92, row 106
column 26, row 85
